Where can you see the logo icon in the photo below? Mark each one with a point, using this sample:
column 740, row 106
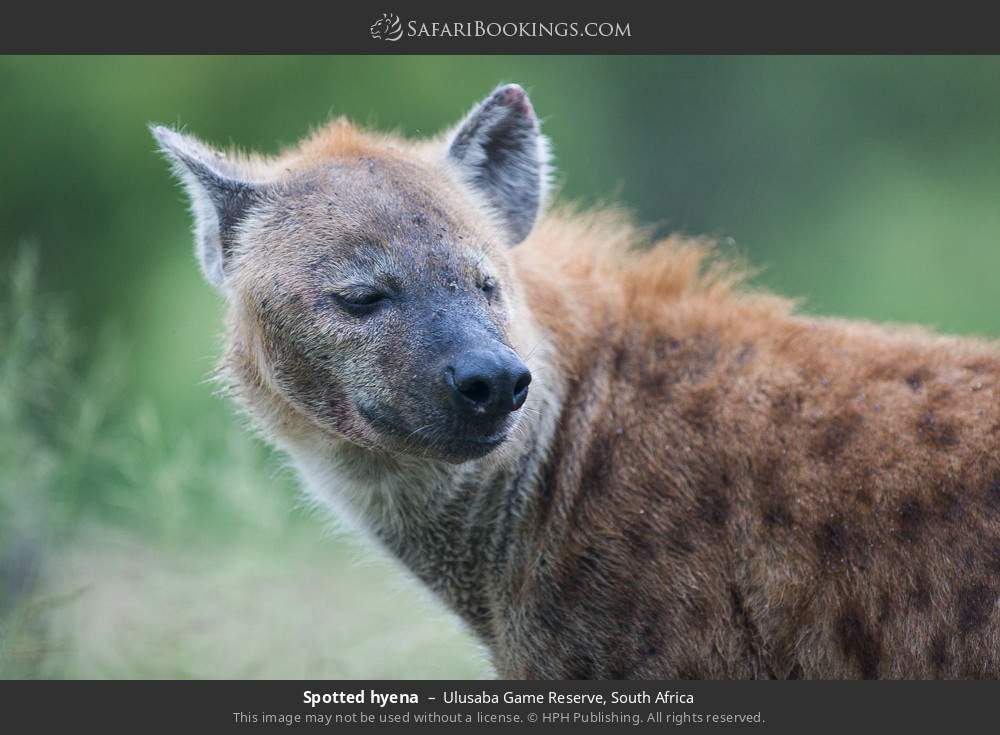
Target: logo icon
column 387, row 28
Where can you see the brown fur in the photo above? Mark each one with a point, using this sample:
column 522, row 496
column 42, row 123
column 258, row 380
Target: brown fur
column 783, row 495
column 704, row 484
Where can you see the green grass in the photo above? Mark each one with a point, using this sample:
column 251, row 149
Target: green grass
column 303, row 608
column 131, row 548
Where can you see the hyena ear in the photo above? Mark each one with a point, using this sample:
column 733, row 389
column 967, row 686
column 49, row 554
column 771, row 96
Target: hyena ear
column 220, row 191
column 501, row 153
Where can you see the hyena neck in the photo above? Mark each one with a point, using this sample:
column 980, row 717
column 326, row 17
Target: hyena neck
column 452, row 526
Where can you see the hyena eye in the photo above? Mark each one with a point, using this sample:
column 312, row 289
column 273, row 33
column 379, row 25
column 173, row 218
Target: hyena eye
column 359, row 302
column 488, row 286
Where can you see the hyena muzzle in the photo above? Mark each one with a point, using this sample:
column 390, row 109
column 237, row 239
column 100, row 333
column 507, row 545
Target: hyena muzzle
column 610, row 457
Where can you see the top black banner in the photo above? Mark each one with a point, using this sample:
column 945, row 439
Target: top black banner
column 446, row 28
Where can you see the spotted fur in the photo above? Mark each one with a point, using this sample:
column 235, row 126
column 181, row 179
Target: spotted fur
column 702, row 484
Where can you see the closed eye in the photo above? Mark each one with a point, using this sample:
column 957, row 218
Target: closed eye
column 359, row 302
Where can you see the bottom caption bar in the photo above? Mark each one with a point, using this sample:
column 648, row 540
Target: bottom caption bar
column 261, row 706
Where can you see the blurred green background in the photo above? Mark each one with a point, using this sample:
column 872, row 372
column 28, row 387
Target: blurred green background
column 144, row 532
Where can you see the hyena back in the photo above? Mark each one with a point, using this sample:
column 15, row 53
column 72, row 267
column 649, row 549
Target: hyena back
column 698, row 482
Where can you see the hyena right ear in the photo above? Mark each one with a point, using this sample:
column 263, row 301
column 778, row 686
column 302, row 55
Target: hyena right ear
column 500, row 152
column 221, row 194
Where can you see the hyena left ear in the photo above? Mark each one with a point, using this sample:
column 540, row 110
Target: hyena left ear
column 501, row 153
column 221, row 195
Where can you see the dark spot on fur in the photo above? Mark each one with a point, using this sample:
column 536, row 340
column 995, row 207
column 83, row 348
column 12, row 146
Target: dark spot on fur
column 832, row 541
column 699, row 409
column 678, row 542
column 835, row 433
column 777, row 515
column 917, row 378
column 767, row 473
column 993, row 490
column 774, row 509
column 969, row 559
column 665, row 344
column 650, row 623
column 993, row 556
column 795, row 673
column 653, row 381
column 714, row 507
column 946, row 506
column 937, row 654
column 745, row 353
column 654, row 371
column 911, row 519
column 920, row 593
column 650, row 636
column 619, row 356
column 666, row 361
column 785, row 407
column 936, row 433
column 973, row 607
column 858, row 643
column 884, row 607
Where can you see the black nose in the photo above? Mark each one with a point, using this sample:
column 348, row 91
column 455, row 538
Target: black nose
column 488, row 383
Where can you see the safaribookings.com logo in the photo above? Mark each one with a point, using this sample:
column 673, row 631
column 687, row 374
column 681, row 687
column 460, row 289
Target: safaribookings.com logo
column 390, row 28
column 387, row 28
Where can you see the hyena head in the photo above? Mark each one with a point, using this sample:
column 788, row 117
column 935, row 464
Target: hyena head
column 371, row 296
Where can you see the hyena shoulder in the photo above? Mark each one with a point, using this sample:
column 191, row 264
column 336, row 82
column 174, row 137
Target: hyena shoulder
column 755, row 492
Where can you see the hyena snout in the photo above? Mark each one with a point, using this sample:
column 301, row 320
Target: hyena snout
column 487, row 383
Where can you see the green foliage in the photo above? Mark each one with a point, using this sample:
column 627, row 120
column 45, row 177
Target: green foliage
column 78, row 441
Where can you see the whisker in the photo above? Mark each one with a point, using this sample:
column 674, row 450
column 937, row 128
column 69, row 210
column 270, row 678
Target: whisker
column 532, row 350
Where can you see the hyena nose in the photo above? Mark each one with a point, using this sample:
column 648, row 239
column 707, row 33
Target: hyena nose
column 485, row 383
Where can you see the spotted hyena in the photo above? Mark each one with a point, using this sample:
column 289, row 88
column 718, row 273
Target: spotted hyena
column 609, row 456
